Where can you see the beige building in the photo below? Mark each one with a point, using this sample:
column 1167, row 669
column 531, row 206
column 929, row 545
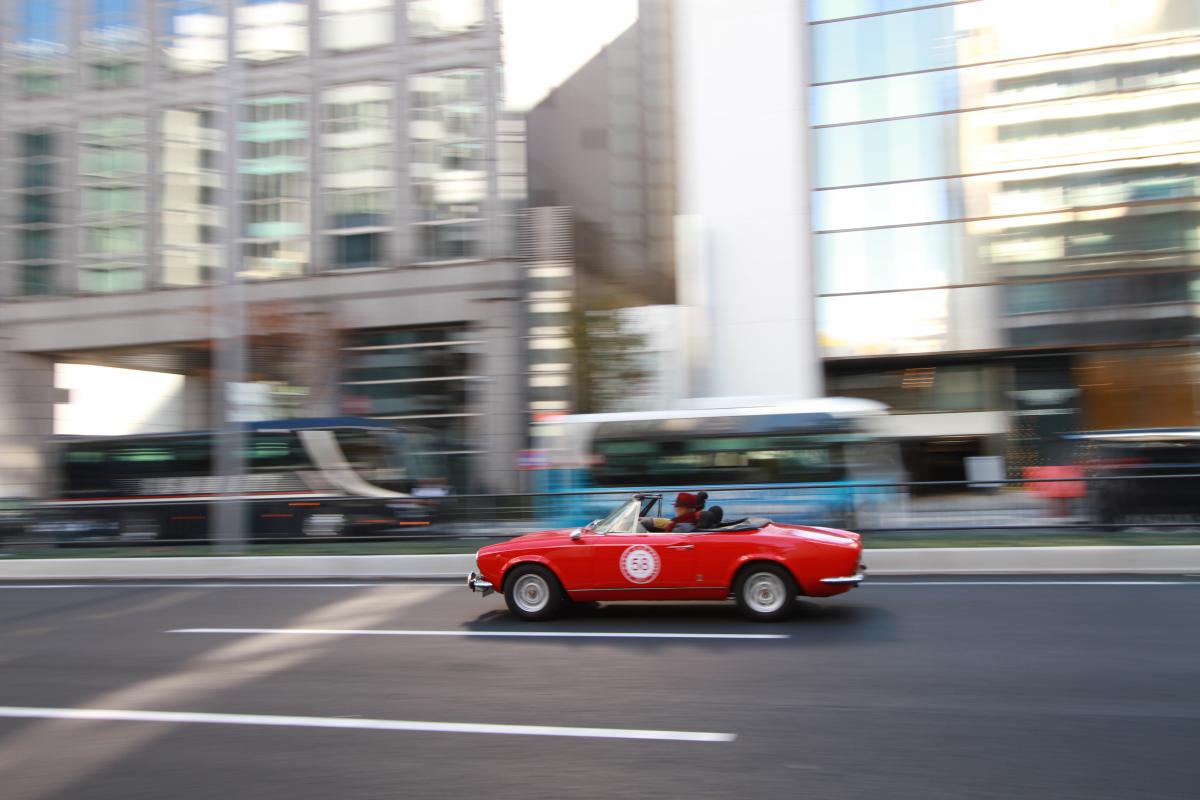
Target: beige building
column 341, row 157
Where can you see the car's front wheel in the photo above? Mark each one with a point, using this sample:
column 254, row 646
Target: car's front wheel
column 533, row 593
column 765, row 592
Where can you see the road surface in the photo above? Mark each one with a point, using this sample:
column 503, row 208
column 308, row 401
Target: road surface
column 905, row 688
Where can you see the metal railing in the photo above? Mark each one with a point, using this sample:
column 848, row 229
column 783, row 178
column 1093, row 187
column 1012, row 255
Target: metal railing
column 1096, row 504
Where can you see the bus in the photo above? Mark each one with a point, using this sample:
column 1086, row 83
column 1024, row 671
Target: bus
column 816, row 462
column 303, row 479
column 1149, row 475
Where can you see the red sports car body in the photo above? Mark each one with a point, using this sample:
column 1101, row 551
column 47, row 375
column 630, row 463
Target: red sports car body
column 762, row 565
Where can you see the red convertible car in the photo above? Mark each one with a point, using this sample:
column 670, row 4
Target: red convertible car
column 764, row 566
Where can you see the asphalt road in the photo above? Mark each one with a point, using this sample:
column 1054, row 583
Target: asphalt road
column 901, row 689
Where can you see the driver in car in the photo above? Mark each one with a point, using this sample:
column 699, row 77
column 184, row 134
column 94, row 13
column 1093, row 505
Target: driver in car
column 687, row 512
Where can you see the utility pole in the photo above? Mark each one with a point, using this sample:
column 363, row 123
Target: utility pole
column 227, row 517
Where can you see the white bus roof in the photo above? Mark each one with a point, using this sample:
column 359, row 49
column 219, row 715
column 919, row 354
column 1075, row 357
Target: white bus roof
column 834, row 406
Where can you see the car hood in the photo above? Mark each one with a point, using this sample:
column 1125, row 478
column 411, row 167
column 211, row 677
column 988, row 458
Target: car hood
column 541, row 537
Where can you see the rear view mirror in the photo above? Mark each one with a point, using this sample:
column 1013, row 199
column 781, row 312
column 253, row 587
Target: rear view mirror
column 576, row 535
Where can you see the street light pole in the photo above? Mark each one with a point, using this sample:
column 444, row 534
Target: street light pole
column 227, row 519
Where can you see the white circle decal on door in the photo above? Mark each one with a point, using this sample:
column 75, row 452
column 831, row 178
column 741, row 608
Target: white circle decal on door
column 640, row 564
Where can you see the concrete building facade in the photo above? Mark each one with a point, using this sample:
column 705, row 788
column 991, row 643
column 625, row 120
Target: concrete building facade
column 602, row 144
column 340, row 157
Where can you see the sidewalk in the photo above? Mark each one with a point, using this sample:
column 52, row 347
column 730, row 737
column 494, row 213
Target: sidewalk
column 1133, row 560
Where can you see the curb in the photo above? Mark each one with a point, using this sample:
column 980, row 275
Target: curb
column 1126, row 560
column 1093, row 560
column 240, row 567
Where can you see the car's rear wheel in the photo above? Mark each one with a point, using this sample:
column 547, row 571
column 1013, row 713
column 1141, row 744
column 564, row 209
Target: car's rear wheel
column 533, row 593
column 765, row 592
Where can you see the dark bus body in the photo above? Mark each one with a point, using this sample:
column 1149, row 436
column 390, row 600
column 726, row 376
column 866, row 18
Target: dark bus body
column 1148, row 475
column 303, row 479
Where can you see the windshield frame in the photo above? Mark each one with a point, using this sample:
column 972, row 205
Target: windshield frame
column 625, row 519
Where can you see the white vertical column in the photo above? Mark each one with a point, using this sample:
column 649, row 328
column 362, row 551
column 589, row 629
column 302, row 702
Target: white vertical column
column 741, row 138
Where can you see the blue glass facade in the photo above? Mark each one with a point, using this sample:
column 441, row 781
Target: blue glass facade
column 998, row 179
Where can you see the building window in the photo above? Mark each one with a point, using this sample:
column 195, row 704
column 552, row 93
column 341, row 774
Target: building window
column 450, row 241
column 358, row 249
column 448, row 170
column 270, row 30
column 432, row 18
column 36, row 222
column 925, row 388
column 356, row 140
column 39, row 49
column 111, row 277
column 418, row 377
column 37, row 280
column 112, row 175
column 37, row 244
column 113, row 43
column 511, row 186
column 191, row 194
column 193, row 36
column 356, row 24
column 273, row 138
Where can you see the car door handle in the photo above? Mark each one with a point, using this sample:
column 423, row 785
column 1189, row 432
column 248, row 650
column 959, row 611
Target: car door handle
column 680, row 546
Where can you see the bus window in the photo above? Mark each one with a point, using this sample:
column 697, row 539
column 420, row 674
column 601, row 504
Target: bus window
column 85, row 456
column 425, row 463
column 751, row 459
column 874, row 460
column 85, row 470
column 276, row 452
column 367, row 453
column 142, row 455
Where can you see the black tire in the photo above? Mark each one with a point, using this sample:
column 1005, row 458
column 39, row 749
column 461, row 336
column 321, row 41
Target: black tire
column 533, row 593
column 765, row 592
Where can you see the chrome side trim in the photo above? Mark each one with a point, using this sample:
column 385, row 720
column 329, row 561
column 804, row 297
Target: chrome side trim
column 849, row 579
column 476, row 583
column 639, row 588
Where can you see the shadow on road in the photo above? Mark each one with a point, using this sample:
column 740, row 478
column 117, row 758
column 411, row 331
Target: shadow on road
column 813, row 623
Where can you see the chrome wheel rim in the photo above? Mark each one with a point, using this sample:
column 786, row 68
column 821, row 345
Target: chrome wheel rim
column 531, row 593
column 764, row 592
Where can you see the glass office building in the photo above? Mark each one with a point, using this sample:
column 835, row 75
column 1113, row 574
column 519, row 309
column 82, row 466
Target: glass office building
column 1005, row 211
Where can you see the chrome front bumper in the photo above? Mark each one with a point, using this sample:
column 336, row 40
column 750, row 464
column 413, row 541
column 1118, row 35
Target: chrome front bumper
column 476, row 583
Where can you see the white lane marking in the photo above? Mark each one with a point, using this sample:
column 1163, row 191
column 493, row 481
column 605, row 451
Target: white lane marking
column 420, row 584
column 460, row 633
column 344, row 723
column 1031, row 583
column 216, row 671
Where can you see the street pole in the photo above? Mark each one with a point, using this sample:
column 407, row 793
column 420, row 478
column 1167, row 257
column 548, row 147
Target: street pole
column 227, row 518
